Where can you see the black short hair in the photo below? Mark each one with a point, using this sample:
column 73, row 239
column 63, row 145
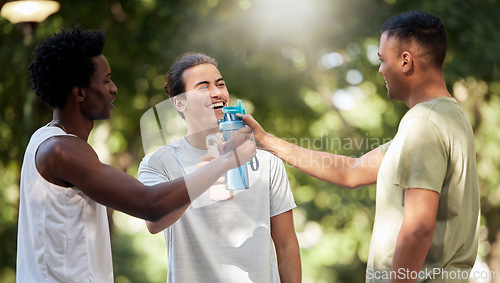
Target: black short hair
column 420, row 27
column 64, row 61
column 174, row 84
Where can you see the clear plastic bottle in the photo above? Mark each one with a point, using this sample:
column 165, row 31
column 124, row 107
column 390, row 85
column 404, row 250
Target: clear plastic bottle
column 217, row 191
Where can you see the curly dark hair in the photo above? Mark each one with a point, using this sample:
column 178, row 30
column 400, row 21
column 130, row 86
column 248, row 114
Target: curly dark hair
column 63, row 62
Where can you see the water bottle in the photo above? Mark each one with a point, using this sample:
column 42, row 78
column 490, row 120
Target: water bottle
column 237, row 178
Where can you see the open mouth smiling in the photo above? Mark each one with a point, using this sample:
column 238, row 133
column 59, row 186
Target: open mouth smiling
column 216, row 105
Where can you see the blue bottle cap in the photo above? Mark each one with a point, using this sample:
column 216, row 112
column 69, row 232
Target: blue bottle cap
column 234, row 109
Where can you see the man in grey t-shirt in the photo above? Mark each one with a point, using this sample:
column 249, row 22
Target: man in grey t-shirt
column 221, row 237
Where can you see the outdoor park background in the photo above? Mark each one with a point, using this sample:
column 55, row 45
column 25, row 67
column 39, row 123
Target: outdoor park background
column 307, row 70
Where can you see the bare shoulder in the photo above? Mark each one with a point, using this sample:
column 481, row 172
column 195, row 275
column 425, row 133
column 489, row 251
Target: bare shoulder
column 64, row 149
column 59, row 155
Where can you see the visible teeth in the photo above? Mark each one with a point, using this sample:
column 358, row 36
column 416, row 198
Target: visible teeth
column 216, row 105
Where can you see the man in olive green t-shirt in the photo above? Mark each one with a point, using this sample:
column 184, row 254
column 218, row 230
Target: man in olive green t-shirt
column 427, row 204
column 433, row 151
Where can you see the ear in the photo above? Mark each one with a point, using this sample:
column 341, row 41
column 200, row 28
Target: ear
column 78, row 93
column 407, row 63
column 179, row 103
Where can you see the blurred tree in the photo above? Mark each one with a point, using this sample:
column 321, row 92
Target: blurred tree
column 308, row 71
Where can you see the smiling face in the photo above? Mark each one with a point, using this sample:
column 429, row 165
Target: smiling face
column 391, row 64
column 100, row 94
column 206, row 94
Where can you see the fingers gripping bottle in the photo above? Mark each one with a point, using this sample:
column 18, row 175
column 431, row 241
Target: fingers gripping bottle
column 237, row 178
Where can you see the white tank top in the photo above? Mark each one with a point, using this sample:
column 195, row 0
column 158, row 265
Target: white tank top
column 63, row 235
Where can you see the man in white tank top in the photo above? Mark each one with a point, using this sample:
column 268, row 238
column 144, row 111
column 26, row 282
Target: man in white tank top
column 63, row 231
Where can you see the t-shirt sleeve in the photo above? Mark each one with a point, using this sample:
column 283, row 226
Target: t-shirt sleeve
column 424, row 157
column 280, row 193
column 384, row 147
column 152, row 172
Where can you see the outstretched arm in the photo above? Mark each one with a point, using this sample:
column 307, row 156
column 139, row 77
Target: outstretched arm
column 70, row 160
column 336, row 169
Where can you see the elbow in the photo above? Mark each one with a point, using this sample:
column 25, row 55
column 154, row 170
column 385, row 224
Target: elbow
column 156, row 208
column 422, row 232
column 350, row 178
column 357, row 173
column 425, row 232
column 154, row 211
column 153, row 227
column 153, row 218
column 342, row 180
column 354, row 181
column 352, row 186
column 157, row 211
column 351, row 183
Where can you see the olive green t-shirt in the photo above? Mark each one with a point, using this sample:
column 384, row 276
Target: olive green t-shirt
column 434, row 150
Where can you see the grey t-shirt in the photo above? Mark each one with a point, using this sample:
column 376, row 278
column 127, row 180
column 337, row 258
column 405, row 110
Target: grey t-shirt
column 226, row 241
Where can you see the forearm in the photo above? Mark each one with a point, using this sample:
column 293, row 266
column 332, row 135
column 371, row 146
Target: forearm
column 287, row 247
column 170, row 197
column 289, row 265
column 165, row 222
column 411, row 250
column 335, row 169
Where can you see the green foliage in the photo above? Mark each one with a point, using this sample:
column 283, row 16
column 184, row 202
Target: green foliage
column 270, row 54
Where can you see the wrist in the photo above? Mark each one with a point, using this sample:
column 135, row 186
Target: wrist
column 225, row 161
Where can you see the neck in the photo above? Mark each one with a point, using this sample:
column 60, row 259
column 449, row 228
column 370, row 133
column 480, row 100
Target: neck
column 73, row 124
column 427, row 88
column 197, row 139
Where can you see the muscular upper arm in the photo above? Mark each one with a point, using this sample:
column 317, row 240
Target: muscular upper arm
column 70, row 160
column 60, row 160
